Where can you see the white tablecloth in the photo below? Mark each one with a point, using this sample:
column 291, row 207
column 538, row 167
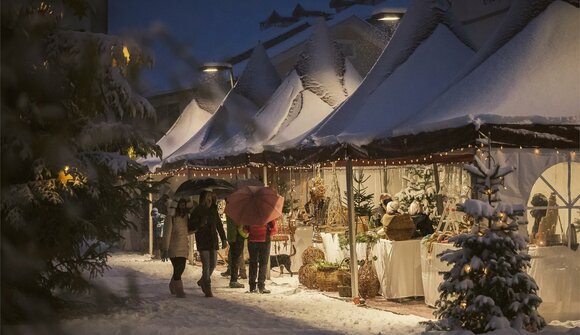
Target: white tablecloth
column 303, row 239
column 557, row 272
column 331, row 248
column 398, row 264
column 431, row 265
column 399, row 268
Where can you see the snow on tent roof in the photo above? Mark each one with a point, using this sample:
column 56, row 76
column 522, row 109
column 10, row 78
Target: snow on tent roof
column 256, row 84
column 362, row 12
column 322, row 79
column 419, row 63
column 192, row 118
column 532, row 79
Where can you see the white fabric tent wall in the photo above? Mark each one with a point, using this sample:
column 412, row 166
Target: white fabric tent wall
column 524, row 181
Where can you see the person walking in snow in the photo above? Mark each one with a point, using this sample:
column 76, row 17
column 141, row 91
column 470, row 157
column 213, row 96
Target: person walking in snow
column 236, row 239
column 259, row 248
column 176, row 246
column 158, row 226
column 205, row 222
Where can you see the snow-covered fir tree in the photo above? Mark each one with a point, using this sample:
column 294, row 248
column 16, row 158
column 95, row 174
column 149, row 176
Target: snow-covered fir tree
column 420, row 188
column 487, row 287
column 71, row 128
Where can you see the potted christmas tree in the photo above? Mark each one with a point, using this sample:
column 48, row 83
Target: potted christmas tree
column 363, row 202
column 487, row 287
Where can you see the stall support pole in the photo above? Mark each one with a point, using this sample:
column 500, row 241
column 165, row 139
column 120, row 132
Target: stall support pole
column 570, row 229
column 352, row 231
column 150, row 219
column 265, row 173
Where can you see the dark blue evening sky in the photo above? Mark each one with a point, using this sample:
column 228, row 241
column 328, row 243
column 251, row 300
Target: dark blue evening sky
column 209, row 30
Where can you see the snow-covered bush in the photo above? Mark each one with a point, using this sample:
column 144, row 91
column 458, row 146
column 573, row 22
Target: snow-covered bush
column 71, row 126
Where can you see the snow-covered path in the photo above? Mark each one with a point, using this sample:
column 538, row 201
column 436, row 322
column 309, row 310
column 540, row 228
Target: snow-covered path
column 135, row 300
column 289, row 309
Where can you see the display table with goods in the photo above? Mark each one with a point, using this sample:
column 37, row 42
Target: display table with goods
column 556, row 270
column 398, row 264
column 431, row 265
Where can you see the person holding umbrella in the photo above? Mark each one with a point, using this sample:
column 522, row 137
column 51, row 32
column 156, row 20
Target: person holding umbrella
column 205, row 222
column 256, row 208
column 259, row 238
column 176, row 246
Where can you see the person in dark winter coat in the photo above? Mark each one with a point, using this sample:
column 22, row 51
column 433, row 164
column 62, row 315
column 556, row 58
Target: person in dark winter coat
column 158, row 226
column 259, row 238
column 423, row 225
column 205, row 222
column 236, row 239
column 176, row 245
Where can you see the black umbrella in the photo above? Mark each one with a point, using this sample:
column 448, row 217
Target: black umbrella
column 195, row 186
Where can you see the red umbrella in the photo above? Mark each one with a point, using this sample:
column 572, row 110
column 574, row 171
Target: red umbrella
column 254, row 205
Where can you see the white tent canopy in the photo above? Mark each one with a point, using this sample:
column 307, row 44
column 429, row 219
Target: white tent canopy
column 534, row 78
column 256, row 84
column 320, row 81
column 420, row 62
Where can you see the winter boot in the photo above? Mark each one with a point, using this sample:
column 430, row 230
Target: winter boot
column 172, row 286
column 206, row 288
column 178, row 286
column 235, row 284
column 242, row 267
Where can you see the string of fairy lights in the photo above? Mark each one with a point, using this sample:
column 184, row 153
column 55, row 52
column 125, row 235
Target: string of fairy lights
column 241, row 169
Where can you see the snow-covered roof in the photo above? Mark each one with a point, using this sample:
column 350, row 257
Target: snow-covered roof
column 321, row 80
column 534, row 78
column 422, row 59
column 254, row 87
column 194, row 116
column 362, row 12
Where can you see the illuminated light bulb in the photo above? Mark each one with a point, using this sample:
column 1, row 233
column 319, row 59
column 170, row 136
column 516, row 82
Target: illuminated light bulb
column 485, row 270
column 463, row 305
column 537, row 151
column 467, row 268
column 126, row 54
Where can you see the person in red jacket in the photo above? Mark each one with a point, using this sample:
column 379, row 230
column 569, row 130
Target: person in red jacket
column 259, row 249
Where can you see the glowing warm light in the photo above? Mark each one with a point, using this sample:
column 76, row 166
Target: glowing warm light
column 463, row 305
column 131, row 153
column 467, row 268
column 389, row 18
column 64, row 177
column 126, row 54
column 210, row 69
column 485, row 271
column 537, row 151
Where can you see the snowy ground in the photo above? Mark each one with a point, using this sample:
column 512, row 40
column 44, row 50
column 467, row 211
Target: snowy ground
column 146, row 307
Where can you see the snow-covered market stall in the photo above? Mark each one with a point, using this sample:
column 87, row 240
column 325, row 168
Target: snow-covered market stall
column 427, row 106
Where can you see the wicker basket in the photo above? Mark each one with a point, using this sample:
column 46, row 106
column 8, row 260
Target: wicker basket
column 327, row 280
column 344, row 277
column 368, row 285
column 400, row 228
column 311, row 255
column 307, row 275
column 344, row 291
